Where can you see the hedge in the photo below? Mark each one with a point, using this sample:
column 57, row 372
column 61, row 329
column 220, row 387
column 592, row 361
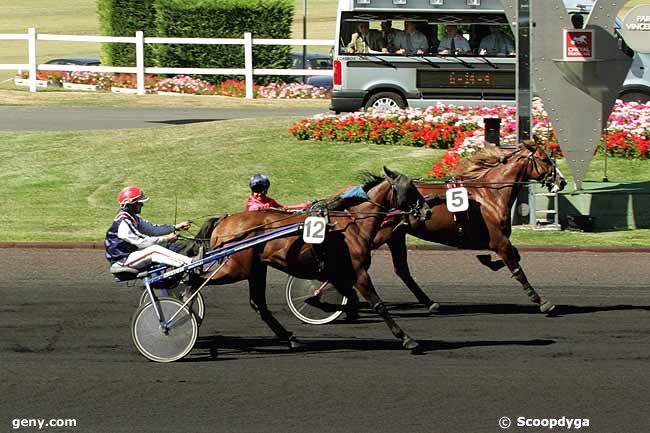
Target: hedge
column 124, row 18
column 223, row 19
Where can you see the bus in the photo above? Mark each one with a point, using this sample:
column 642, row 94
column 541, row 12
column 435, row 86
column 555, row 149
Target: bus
column 397, row 53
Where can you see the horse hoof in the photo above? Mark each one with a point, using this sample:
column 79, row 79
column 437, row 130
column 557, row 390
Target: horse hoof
column 433, row 307
column 410, row 344
column 547, row 307
column 294, row 344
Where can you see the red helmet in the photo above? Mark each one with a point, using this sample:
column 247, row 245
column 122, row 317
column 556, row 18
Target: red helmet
column 131, row 194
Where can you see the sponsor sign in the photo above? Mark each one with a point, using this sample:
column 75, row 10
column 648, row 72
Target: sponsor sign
column 579, row 45
column 636, row 29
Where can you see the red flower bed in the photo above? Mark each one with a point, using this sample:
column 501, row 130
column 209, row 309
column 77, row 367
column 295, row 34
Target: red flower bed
column 460, row 129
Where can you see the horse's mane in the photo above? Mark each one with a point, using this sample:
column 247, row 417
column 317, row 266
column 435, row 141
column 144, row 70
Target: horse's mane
column 477, row 165
column 370, row 180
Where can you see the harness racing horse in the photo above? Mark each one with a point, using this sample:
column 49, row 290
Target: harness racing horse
column 343, row 259
column 493, row 180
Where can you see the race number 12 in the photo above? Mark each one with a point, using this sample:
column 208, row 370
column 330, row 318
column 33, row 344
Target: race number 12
column 457, row 199
column 314, row 230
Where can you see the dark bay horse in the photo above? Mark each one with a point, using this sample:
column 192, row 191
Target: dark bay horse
column 343, row 258
column 493, row 180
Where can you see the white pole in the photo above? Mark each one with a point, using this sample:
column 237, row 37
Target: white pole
column 31, row 55
column 248, row 64
column 139, row 61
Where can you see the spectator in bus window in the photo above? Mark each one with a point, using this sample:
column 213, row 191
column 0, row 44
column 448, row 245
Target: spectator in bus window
column 454, row 43
column 411, row 41
column 496, row 43
column 366, row 40
column 389, row 34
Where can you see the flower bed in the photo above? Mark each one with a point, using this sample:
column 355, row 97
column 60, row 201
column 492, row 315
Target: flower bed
column 461, row 129
column 43, row 78
column 292, row 91
column 187, row 85
column 127, row 83
column 88, row 81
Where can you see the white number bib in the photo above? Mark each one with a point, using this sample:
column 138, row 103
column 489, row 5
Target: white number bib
column 314, row 230
column 457, row 199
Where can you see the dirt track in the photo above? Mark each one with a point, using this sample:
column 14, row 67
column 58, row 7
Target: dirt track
column 65, row 352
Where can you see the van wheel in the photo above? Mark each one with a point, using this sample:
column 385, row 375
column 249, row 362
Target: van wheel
column 385, row 101
column 636, row 96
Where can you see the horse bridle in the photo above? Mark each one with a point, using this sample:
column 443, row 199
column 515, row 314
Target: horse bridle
column 547, row 178
column 414, row 210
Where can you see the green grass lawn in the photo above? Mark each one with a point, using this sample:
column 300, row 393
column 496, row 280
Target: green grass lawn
column 61, row 186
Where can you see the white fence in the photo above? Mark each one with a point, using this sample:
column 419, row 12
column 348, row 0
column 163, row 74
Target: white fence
column 139, row 69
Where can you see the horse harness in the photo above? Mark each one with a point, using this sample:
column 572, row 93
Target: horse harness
column 460, row 218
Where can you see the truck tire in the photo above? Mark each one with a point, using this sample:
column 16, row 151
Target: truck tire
column 635, row 96
column 385, row 101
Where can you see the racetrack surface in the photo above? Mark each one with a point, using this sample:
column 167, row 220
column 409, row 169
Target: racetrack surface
column 13, row 118
column 65, row 352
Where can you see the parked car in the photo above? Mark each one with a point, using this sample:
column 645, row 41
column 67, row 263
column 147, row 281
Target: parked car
column 321, row 81
column 82, row 61
column 313, row 61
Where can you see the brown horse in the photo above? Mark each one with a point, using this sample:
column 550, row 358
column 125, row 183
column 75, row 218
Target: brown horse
column 343, row 258
column 493, row 180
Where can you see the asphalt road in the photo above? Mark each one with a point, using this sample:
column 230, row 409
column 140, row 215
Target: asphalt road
column 13, row 118
column 65, row 352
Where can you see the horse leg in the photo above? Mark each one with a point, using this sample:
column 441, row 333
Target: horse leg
column 510, row 255
column 257, row 300
column 366, row 288
column 398, row 252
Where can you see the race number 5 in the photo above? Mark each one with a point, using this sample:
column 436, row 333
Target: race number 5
column 457, row 199
column 314, row 230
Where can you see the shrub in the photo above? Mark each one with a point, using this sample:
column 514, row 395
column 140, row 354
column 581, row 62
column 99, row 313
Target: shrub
column 223, row 19
column 124, row 18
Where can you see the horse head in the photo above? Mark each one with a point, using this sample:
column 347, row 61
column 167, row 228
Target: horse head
column 542, row 168
column 406, row 196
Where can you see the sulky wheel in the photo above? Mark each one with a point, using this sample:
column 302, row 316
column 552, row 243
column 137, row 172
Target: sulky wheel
column 164, row 345
column 198, row 303
column 310, row 309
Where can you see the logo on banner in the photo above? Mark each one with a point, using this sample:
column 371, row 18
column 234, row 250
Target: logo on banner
column 579, row 45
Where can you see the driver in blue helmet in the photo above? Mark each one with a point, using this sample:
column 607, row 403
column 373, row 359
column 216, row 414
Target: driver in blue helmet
column 259, row 185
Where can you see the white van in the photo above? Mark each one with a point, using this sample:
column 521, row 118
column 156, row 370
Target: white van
column 369, row 75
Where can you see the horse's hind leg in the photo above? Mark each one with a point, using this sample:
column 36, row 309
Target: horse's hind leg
column 398, row 252
column 257, row 300
column 510, row 255
column 367, row 289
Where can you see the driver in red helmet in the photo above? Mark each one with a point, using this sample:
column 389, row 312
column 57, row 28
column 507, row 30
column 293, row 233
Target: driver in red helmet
column 134, row 243
column 259, row 185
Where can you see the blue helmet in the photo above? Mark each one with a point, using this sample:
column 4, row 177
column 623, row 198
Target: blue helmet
column 259, row 183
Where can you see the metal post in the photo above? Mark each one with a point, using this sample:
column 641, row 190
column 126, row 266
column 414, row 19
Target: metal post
column 31, row 32
column 524, row 99
column 605, row 178
column 532, row 206
column 304, row 36
column 492, row 130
